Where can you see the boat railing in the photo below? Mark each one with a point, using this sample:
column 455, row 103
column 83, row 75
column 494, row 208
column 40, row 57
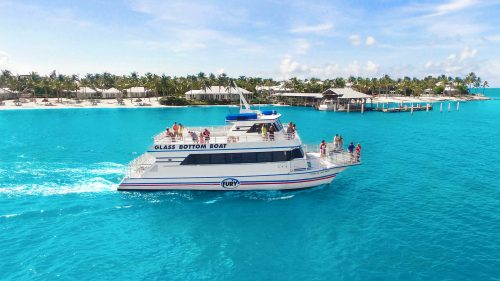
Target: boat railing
column 216, row 138
column 335, row 155
column 139, row 165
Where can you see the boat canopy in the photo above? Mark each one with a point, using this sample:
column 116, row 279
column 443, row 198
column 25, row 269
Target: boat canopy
column 269, row 112
column 241, row 117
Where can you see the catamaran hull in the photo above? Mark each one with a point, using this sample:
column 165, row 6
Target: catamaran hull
column 236, row 183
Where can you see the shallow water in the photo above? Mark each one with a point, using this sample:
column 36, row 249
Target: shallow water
column 423, row 206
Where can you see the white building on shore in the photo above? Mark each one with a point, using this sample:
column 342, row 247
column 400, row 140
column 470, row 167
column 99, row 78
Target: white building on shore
column 6, row 94
column 219, row 93
column 273, row 89
column 86, row 93
column 136, row 92
column 111, row 93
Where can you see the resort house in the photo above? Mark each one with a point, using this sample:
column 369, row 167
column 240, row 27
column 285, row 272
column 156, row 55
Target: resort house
column 273, row 89
column 136, row 92
column 6, row 93
column 86, row 93
column 111, row 93
column 219, row 93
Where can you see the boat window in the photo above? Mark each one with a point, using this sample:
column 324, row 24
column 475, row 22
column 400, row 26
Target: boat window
column 256, row 128
column 297, row 153
column 233, row 158
column 264, row 157
column 218, row 159
column 248, row 157
column 278, row 125
column 281, row 156
column 203, row 159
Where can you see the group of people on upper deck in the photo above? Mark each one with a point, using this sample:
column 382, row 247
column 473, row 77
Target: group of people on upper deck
column 177, row 133
column 267, row 131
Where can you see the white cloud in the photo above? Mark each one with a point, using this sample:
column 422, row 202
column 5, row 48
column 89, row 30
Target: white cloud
column 355, row 39
column 357, row 69
column 290, row 68
column 370, row 40
column 493, row 38
column 4, row 59
column 455, row 64
column 453, row 6
column 319, row 28
column 302, row 46
column 490, row 71
column 467, row 53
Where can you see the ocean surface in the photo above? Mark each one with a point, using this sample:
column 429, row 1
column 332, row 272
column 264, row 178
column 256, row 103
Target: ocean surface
column 425, row 204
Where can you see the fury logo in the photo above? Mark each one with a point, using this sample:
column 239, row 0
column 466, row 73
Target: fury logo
column 230, row 183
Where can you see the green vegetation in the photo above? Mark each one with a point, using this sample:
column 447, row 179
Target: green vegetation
column 172, row 89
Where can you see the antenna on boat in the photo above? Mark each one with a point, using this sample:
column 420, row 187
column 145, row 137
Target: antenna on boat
column 244, row 106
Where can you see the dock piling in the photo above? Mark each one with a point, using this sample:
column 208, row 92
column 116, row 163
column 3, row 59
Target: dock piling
column 458, row 106
column 441, row 108
column 449, row 106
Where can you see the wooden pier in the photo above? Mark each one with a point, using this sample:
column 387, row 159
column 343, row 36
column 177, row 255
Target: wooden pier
column 405, row 108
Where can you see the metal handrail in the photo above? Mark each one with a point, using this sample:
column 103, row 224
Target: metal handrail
column 140, row 165
column 335, row 155
column 162, row 138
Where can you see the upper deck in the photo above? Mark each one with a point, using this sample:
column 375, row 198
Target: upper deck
column 237, row 133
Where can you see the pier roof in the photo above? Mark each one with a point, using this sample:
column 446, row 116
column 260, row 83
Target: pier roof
column 346, row 93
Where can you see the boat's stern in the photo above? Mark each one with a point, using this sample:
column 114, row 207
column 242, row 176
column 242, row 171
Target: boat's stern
column 136, row 170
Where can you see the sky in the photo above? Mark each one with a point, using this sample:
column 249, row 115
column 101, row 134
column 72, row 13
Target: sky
column 266, row 38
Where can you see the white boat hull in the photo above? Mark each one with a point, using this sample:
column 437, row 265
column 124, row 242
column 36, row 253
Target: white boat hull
column 326, row 107
column 297, row 180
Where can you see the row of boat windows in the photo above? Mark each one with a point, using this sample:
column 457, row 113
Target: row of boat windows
column 247, row 157
column 257, row 127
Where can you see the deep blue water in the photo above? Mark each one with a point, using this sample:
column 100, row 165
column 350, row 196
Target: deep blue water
column 425, row 204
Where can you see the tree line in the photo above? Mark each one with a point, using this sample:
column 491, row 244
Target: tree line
column 61, row 85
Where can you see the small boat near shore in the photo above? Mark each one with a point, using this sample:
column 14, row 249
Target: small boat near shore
column 238, row 156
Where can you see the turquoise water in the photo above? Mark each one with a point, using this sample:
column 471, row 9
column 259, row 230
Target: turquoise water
column 425, row 204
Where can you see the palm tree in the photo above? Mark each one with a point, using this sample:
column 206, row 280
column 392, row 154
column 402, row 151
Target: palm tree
column 485, row 84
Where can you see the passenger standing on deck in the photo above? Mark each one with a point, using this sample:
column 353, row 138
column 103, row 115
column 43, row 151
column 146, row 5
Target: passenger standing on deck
column 181, row 131
column 194, row 136
column 202, row 138
column 175, row 127
column 341, row 143
column 271, row 132
column 322, row 149
column 263, row 131
column 294, row 129
column 336, row 142
column 358, row 152
column 289, row 130
column 351, row 150
column 206, row 134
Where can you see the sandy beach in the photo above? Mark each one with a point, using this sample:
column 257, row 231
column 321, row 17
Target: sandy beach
column 153, row 103
column 70, row 103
